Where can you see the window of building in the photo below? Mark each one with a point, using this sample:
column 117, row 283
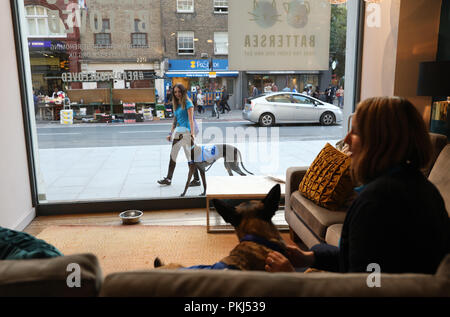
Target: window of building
column 185, row 6
column 139, row 39
column 221, row 43
column 221, row 6
column 186, row 43
column 103, row 39
column 42, row 22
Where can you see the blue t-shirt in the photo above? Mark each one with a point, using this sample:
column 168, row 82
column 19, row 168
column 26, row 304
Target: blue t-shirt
column 183, row 118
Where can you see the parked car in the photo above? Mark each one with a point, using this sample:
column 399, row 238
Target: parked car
column 289, row 107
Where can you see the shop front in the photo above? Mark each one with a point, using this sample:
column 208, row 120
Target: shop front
column 204, row 75
column 273, row 81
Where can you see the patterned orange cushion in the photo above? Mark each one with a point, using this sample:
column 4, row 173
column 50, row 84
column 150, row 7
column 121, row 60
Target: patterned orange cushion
column 327, row 181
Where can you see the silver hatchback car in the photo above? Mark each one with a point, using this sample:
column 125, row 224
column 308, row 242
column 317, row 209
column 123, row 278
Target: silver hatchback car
column 289, row 107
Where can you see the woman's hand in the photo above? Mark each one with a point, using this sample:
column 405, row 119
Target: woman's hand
column 276, row 262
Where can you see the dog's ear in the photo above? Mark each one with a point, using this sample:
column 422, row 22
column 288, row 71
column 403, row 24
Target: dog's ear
column 271, row 201
column 227, row 212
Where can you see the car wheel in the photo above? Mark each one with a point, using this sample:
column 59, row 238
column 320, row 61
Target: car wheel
column 327, row 118
column 266, row 120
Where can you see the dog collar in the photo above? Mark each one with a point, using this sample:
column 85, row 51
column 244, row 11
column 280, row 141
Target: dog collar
column 263, row 241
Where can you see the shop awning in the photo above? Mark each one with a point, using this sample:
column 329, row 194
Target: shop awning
column 202, row 74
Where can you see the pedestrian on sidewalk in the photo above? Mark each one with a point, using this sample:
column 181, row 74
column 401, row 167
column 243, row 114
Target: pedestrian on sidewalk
column 184, row 128
column 224, row 101
column 216, row 106
column 200, row 101
column 340, row 96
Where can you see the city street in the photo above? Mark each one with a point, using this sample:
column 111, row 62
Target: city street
column 53, row 136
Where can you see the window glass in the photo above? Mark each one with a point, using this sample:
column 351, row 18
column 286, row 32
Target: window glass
column 282, row 98
column 220, row 43
column 101, row 74
column 185, row 5
column 301, row 99
column 220, row 6
column 185, row 42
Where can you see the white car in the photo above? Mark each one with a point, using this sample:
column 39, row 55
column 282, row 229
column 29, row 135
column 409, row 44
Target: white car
column 288, row 107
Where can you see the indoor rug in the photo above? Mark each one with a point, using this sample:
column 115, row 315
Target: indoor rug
column 125, row 248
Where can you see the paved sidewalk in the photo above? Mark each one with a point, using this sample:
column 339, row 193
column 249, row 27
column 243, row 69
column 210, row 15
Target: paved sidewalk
column 79, row 174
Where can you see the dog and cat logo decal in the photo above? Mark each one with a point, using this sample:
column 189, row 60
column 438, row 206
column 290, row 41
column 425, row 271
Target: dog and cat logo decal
column 265, row 13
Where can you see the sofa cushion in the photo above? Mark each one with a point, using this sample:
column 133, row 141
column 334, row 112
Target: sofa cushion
column 328, row 182
column 333, row 234
column 440, row 176
column 16, row 245
column 49, row 277
column 317, row 218
column 230, row 283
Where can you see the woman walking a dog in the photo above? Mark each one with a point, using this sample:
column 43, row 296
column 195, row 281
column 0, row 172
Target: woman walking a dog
column 184, row 128
column 389, row 144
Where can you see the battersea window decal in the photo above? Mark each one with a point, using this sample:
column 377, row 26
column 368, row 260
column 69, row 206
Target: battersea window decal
column 279, row 34
column 102, row 76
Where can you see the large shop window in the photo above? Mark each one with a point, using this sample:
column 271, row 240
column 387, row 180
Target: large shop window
column 99, row 77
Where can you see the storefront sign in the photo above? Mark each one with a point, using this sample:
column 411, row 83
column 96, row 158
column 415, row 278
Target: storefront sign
column 279, row 34
column 197, row 64
column 102, row 76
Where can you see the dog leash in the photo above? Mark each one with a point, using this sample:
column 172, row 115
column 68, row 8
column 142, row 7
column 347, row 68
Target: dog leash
column 269, row 244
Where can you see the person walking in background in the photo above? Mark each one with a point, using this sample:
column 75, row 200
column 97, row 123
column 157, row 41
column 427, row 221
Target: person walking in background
column 184, row 128
column 274, row 87
column 200, row 101
column 329, row 94
column 389, row 145
column 316, row 93
column 340, row 96
column 254, row 91
column 294, row 89
column 224, row 101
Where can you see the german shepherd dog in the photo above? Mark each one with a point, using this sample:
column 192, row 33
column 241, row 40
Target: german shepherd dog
column 231, row 159
column 257, row 234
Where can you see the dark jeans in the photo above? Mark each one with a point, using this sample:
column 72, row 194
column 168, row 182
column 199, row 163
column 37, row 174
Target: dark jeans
column 181, row 140
column 225, row 106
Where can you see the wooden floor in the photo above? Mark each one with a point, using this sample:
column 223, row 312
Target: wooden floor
column 164, row 217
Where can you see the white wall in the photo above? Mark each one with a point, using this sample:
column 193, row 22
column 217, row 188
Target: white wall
column 398, row 35
column 16, row 209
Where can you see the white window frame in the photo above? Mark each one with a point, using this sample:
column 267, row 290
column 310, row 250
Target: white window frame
column 185, row 35
column 221, row 6
column 185, row 6
column 220, row 47
column 35, row 17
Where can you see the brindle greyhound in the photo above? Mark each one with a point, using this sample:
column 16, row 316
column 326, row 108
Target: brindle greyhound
column 231, row 159
column 257, row 234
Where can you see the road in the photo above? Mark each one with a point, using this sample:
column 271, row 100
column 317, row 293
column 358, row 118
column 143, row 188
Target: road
column 85, row 135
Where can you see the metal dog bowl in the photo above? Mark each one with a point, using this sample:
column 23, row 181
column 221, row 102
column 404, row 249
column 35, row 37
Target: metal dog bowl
column 130, row 217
